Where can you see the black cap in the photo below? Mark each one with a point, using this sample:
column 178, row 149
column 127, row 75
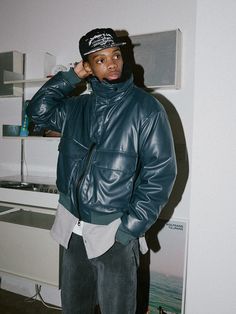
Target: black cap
column 98, row 39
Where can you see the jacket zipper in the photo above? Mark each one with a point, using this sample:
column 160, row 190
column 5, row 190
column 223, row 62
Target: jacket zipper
column 88, row 162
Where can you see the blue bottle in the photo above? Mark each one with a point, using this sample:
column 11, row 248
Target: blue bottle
column 25, row 121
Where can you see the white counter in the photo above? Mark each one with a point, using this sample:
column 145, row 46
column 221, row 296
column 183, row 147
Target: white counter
column 40, row 199
column 31, row 198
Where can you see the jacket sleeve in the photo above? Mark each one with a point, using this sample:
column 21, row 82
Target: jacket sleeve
column 155, row 180
column 47, row 109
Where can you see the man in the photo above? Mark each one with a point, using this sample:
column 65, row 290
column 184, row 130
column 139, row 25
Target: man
column 116, row 168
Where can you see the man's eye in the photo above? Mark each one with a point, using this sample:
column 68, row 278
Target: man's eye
column 117, row 56
column 100, row 61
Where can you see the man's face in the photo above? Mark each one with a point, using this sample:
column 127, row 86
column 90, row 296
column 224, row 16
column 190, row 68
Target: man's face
column 105, row 64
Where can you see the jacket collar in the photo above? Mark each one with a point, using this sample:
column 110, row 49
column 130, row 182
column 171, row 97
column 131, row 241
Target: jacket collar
column 105, row 89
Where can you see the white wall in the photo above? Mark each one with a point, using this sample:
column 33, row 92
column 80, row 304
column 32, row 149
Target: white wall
column 35, row 27
column 55, row 26
column 205, row 100
column 211, row 279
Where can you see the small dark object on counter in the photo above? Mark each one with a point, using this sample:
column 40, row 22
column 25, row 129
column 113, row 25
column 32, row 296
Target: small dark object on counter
column 10, row 130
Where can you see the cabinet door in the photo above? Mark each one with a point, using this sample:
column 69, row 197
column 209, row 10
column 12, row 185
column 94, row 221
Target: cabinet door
column 29, row 252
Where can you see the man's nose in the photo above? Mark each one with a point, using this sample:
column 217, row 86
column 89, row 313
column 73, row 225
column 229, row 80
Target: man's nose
column 111, row 64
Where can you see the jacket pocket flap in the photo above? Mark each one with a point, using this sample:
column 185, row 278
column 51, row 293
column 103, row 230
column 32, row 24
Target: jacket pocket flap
column 70, row 148
column 116, row 161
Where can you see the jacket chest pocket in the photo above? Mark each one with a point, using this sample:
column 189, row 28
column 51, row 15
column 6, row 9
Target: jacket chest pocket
column 109, row 183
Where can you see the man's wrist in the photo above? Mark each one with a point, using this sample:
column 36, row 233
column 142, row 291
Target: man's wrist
column 72, row 77
column 123, row 237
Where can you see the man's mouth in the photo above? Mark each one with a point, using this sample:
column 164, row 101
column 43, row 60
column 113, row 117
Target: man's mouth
column 113, row 75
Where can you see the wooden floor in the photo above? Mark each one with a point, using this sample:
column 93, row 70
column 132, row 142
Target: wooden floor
column 11, row 303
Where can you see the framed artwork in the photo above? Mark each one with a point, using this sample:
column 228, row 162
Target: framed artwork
column 167, row 270
column 158, row 58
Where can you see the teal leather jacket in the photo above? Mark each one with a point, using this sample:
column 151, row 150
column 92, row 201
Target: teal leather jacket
column 116, row 154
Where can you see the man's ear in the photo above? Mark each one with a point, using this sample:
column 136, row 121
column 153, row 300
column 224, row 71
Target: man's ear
column 87, row 68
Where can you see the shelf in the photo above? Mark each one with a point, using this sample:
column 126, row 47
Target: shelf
column 16, row 82
column 16, row 78
column 11, row 96
column 29, row 81
column 28, row 138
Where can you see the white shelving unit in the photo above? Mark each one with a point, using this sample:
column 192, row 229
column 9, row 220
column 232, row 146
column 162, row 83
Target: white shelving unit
column 29, row 138
column 16, row 78
column 28, row 81
column 30, row 252
column 13, row 78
